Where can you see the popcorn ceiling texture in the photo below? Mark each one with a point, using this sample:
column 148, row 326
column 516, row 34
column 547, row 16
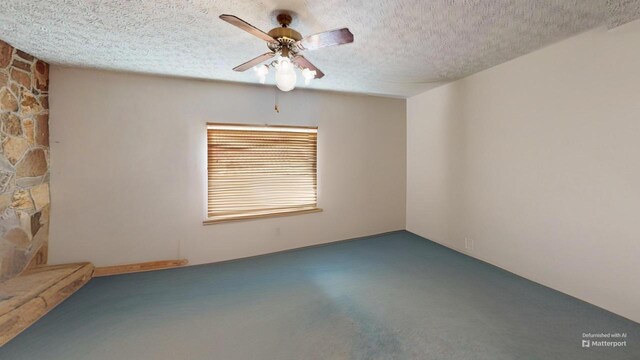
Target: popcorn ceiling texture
column 622, row 11
column 24, row 161
column 401, row 46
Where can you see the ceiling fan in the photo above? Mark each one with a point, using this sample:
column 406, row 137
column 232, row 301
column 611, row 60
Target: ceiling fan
column 286, row 44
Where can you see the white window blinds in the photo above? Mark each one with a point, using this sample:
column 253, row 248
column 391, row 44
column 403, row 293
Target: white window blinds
column 257, row 171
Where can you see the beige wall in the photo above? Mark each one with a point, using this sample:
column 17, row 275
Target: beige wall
column 538, row 161
column 128, row 156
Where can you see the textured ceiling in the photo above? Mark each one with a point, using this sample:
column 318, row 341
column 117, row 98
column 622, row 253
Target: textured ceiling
column 402, row 47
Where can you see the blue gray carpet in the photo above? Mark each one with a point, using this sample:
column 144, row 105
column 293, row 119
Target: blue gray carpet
column 393, row 296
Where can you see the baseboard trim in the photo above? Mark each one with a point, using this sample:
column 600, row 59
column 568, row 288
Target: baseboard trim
column 138, row 267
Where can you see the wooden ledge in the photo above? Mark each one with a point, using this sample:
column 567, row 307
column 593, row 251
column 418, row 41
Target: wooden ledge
column 27, row 297
column 138, row 267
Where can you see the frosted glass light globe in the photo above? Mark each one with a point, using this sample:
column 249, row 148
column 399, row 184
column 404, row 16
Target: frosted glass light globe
column 286, row 75
column 261, row 72
column 308, row 75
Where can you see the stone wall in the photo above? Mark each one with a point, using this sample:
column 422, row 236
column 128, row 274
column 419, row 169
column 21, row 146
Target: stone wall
column 24, row 161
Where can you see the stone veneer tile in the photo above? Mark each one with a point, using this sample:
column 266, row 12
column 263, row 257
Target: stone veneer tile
column 11, row 124
column 33, row 164
column 14, row 148
column 24, row 55
column 21, row 200
column 5, row 54
column 29, row 104
column 21, row 77
column 21, row 65
column 44, row 100
column 42, row 76
column 42, row 134
column 8, row 102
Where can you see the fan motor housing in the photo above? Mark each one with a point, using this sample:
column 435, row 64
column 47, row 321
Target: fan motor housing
column 286, row 34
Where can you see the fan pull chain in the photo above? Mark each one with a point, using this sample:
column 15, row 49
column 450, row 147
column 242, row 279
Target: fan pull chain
column 277, row 106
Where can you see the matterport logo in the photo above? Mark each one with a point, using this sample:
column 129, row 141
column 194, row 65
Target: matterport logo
column 610, row 340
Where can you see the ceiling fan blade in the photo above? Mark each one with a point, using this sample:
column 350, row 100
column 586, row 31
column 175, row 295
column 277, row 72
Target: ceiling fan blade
column 306, row 64
column 236, row 21
column 255, row 61
column 327, row 38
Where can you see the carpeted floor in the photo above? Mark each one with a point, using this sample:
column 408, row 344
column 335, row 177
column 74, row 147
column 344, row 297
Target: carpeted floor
column 393, row 296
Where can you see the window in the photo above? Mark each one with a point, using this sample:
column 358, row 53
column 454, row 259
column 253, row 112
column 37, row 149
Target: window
column 258, row 171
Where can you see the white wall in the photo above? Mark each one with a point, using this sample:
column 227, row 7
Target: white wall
column 538, row 161
column 128, row 159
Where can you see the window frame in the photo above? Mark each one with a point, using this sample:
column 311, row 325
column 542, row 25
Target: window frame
column 260, row 214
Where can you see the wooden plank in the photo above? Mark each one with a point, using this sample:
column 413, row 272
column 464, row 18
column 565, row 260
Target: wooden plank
column 14, row 322
column 67, row 286
column 138, row 267
column 21, row 289
column 29, row 296
column 48, row 268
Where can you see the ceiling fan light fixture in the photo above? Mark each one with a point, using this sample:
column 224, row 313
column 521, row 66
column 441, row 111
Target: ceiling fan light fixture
column 285, row 44
column 285, row 74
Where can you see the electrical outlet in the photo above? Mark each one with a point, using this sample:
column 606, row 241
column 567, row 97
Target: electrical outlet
column 468, row 244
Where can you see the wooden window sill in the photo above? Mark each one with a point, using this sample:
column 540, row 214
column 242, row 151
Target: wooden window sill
column 250, row 216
